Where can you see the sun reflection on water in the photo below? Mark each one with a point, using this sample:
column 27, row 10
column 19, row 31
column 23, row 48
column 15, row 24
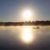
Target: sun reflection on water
column 27, row 35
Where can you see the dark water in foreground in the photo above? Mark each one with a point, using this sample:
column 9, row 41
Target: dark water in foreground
column 9, row 38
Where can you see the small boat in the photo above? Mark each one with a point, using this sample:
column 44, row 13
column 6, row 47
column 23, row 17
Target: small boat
column 36, row 27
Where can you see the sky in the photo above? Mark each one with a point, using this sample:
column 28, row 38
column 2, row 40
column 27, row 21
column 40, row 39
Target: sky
column 10, row 10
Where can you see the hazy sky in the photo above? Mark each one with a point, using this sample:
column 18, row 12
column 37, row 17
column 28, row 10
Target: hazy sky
column 10, row 9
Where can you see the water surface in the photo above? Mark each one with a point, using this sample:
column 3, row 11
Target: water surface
column 10, row 36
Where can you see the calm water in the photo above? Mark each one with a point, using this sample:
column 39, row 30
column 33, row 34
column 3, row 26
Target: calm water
column 11, row 36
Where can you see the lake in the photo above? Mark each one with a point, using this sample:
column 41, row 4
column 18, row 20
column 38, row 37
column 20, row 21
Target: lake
column 24, row 36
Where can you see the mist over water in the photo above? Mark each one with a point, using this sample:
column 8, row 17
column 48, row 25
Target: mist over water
column 9, row 37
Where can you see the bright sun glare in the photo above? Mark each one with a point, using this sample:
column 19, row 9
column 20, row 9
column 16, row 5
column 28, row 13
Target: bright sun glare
column 27, row 15
column 26, row 35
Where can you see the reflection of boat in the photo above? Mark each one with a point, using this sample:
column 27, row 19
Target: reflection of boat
column 36, row 27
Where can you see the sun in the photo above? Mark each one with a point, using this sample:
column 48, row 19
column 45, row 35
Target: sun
column 27, row 15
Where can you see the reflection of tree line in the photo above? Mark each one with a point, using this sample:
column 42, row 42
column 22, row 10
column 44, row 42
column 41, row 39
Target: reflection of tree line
column 25, row 23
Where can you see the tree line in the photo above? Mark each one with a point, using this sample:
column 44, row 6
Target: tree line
column 25, row 23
